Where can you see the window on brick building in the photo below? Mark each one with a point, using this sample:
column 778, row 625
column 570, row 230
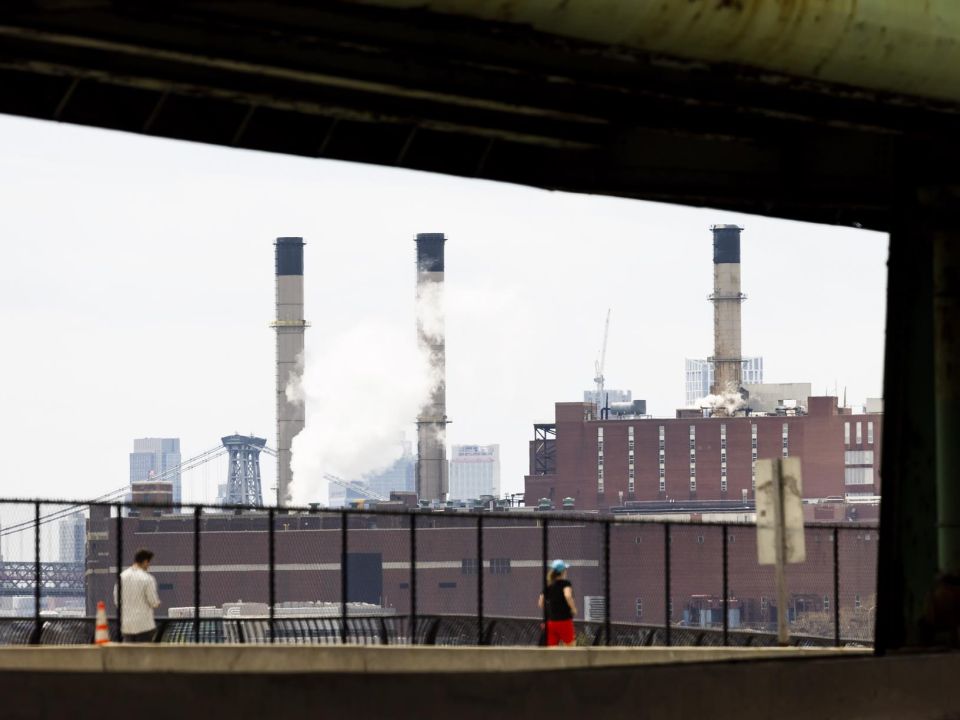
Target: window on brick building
column 500, row 566
column 639, row 607
column 469, row 566
column 599, row 459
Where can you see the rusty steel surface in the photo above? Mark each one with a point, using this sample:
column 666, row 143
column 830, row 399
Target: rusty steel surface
column 905, row 47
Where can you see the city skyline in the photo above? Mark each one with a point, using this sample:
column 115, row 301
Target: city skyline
column 141, row 215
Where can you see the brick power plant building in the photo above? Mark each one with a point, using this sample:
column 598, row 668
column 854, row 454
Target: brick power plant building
column 639, row 464
column 234, row 556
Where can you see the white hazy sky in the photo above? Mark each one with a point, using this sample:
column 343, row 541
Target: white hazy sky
column 136, row 289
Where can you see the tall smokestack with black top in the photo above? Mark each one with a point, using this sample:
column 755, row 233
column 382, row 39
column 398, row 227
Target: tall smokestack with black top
column 290, row 328
column 726, row 299
column 432, row 420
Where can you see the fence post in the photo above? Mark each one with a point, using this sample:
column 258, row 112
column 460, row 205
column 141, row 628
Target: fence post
column 413, row 577
column 196, row 573
column 545, row 552
column 272, row 570
column 836, row 586
column 119, row 571
column 666, row 582
column 726, row 588
column 480, row 580
column 606, row 582
column 35, row 638
column 343, row 576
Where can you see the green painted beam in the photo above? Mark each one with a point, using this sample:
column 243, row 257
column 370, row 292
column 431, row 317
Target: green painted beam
column 899, row 46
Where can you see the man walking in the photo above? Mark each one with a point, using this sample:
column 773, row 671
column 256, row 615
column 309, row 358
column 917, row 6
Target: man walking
column 140, row 598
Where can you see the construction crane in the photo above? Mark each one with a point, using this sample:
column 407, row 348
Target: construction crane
column 599, row 379
column 355, row 487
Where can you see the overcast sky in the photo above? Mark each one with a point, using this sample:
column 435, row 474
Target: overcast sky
column 136, row 291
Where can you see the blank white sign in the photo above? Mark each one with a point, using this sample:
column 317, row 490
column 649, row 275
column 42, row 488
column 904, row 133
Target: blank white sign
column 796, row 550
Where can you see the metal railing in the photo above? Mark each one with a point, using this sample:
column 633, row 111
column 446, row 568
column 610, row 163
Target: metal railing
column 615, row 558
column 447, row 630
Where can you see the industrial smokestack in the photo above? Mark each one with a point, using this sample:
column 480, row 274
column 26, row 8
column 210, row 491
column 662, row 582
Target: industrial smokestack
column 432, row 420
column 290, row 328
column 726, row 299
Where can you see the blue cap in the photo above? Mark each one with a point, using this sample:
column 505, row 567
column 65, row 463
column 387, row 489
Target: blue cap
column 558, row 566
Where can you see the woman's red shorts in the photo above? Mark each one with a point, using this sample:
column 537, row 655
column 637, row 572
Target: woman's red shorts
column 560, row 631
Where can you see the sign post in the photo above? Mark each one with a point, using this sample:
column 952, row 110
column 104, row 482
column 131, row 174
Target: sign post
column 780, row 538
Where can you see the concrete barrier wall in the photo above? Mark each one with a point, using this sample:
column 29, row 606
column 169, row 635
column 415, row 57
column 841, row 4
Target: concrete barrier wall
column 841, row 686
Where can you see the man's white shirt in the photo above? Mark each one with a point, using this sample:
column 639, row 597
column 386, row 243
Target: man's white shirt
column 139, row 599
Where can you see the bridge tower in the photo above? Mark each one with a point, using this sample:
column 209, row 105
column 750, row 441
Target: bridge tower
column 243, row 470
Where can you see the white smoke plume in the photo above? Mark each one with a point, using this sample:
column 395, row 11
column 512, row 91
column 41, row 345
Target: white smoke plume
column 729, row 402
column 363, row 391
column 430, row 310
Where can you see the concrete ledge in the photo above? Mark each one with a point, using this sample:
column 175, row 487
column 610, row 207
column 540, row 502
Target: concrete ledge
column 371, row 659
column 676, row 683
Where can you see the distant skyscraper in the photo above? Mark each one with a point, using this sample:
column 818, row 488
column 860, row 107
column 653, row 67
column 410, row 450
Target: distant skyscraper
column 156, row 456
column 474, row 471
column 609, row 395
column 699, row 377
column 73, row 538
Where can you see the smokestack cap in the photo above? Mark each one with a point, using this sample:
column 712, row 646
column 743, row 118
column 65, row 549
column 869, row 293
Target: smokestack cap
column 430, row 252
column 289, row 255
column 726, row 243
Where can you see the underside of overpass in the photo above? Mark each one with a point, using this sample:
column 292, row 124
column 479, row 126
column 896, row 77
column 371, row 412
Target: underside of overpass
column 829, row 111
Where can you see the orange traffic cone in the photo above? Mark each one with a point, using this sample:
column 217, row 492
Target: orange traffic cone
column 102, row 635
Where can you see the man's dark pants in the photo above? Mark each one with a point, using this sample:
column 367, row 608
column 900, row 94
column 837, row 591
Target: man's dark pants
column 144, row 637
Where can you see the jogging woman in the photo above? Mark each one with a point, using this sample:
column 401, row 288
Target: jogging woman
column 560, row 606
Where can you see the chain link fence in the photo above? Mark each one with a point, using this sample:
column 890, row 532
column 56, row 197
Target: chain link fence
column 320, row 576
